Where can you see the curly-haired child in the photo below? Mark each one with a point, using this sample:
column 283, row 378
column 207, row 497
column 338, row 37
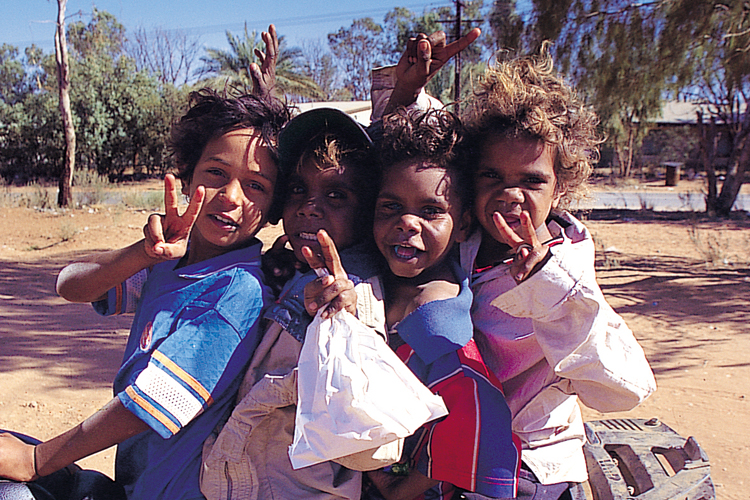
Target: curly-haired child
column 540, row 318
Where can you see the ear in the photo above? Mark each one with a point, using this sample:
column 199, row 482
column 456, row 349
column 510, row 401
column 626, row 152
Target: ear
column 464, row 227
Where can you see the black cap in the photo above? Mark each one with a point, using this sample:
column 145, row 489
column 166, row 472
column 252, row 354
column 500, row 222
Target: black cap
column 295, row 136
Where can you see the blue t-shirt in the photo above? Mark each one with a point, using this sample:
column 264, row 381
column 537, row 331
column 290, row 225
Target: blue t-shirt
column 193, row 335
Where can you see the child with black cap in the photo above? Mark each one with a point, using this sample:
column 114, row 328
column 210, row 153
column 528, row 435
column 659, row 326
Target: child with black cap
column 331, row 187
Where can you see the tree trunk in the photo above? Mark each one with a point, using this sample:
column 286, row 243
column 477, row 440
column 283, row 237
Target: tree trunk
column 708, row 138
column 65, row 194
column 734, row 178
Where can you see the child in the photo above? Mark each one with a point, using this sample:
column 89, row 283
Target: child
column 330, row 189
column 541, row 321
column 197, row 319
column 420, row 215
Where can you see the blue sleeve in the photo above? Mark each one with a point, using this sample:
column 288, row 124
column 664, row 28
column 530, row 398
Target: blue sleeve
column 123, row 298
column 202, row 358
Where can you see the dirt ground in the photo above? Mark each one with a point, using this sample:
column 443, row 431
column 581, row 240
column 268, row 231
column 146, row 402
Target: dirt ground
column 682, row 283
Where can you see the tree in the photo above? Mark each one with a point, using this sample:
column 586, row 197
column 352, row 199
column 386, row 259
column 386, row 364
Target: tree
column 167, row 54
column 318, row 63
column 65, row 194
column 12, row 75
column 506, row 26
column 232, row 66
column 715, row 41
column 357, row 50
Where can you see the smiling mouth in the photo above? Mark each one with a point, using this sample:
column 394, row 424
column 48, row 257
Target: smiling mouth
column 405, row 253
column 225, row 221
column 308, row 236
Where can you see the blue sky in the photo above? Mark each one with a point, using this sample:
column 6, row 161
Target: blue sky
column 23, row 22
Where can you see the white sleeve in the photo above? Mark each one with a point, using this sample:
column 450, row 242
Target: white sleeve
column 584, row 340
column 383, row 82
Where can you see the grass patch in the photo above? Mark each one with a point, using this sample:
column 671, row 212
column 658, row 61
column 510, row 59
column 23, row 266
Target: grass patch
column 144, row 200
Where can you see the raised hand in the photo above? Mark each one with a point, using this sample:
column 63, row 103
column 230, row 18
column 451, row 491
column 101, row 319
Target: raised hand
column 334, row 288
column 530, row 253
column 167, row 235
column 264, row 75
column 423, row 57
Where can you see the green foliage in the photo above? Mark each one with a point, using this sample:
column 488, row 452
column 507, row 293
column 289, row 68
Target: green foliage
column 122, row 116
column 232, row 67
column 357, row 49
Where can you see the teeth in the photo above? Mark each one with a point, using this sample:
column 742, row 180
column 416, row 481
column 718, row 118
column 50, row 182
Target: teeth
column 308, row 236
column 225, row 220
column 405, row 252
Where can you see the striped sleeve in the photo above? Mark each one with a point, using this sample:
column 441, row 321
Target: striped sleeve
column 123, row 298
column 166, row 396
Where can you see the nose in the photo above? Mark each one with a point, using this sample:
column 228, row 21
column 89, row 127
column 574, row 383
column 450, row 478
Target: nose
column 408, row 223
column 512, row 195
column 309, row 208
column 233, row 192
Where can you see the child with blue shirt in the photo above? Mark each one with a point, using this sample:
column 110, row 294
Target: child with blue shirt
column 198, row 315
column 330, row 188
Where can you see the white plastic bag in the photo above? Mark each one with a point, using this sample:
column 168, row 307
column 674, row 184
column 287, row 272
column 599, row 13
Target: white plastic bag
column 354, row 394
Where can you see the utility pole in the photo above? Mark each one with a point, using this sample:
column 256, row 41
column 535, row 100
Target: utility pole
column 457, row 67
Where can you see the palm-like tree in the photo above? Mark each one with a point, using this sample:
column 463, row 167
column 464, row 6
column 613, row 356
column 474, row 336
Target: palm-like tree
column 232, row 67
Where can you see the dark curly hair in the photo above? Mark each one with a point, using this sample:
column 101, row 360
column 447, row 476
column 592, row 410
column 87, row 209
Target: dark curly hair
column 211, row 115
column 525, row 97
column 432, row 136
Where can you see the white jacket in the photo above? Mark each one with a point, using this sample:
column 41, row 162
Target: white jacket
column 553, row 337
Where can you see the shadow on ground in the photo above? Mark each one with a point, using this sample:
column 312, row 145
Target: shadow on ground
column 65, row 341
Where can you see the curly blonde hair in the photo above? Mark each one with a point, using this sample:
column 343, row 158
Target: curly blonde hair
column 525, row 98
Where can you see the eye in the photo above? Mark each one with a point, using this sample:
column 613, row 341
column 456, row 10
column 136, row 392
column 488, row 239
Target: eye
column 336, row 195
column 536, row 181
column 388, row 207
column 431, row 212
column 296, row 190
column 215, row 171
column 488, row 174
column 256, row 186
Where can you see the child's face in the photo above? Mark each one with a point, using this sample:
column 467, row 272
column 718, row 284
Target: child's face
column 418, row 217
column 239, row 175
column 321, row 199
column 514, row 175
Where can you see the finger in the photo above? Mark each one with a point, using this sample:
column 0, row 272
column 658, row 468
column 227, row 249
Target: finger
column 437, row 39
column 331, row 254
column 528, row 231
column 527, row 259
column 154, row 229
column 194, row 207
column 455, row 47
column 424, row 55
column 153, row 232
column 274, row 41
column 314, row 260
column 171, row 195
column 261, row 57
column 507, row 235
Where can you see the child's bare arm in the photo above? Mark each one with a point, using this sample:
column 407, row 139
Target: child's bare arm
column 111, row 425
column 264, row 75
column 166, row 238
column 423, row 57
